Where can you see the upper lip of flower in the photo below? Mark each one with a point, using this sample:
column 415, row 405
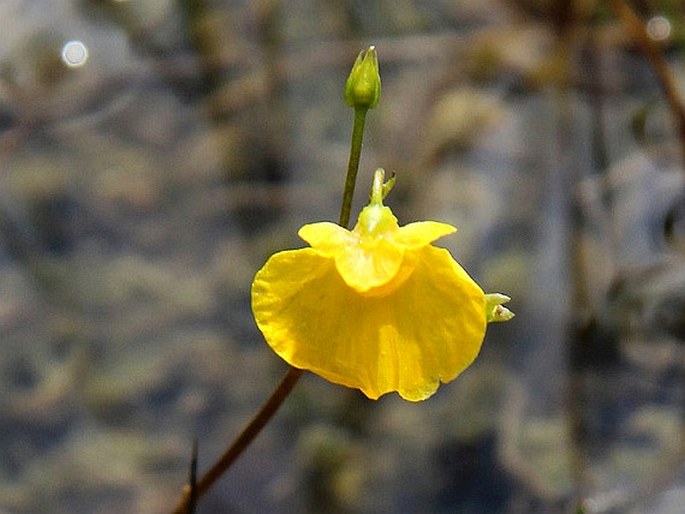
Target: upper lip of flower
column 377, row 255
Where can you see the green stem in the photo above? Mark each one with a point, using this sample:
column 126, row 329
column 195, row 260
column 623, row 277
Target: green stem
column 191, row 494
column 353, row 165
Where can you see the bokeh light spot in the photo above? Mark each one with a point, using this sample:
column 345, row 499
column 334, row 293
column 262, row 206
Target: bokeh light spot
column 74, row 54
column 659, row 28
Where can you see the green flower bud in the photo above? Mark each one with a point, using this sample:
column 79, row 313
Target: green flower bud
column 363, row 87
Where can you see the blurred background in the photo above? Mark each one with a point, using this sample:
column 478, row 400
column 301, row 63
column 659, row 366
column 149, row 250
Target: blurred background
column 154, row 153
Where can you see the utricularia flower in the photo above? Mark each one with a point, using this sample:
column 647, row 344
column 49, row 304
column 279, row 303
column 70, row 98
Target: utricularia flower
column 378, row 308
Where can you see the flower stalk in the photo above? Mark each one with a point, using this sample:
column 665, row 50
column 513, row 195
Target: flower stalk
column 362, row 92
column 353, row 165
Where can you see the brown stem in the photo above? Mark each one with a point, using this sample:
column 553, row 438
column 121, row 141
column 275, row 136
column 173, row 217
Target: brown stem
column 654, row 55
column 244, row 439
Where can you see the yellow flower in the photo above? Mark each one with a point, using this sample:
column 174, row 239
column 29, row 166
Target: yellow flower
column 376, row 308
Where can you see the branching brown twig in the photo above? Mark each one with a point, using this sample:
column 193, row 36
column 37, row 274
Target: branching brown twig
column 656, row 58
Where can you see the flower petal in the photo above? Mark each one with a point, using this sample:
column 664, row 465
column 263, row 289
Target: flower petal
column 327, row 237
column 283, row 302
column 364, row 263
column 426, row 331
column 421, row 233
column 370, row 264
column 435, row 323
